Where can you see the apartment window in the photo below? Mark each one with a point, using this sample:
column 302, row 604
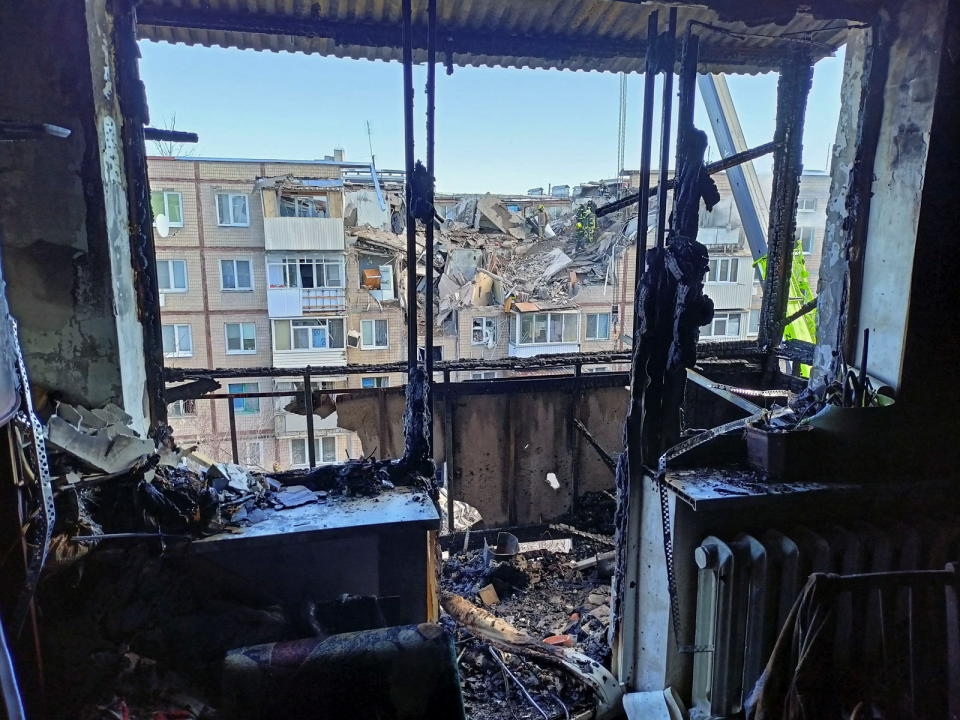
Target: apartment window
column 241, row 338
column 251, row 453
column 725, row 324
column 305, row 272
column 597, row 369
column 236, row 275
column 233, row 210
column 753, row 328
column 373, row 334
column 177, row 340
column 375, row 382
column 484, row 331
column 807, row 204
column 324, row 450
column 172, row 275
column 304, row 206
column 805, row 238
column 182, row 408
column 546, row 328
column 723, row 270
column 598, row 326
column 484, row 375
column 169, row 203
column 437, row 353
column 308, row 334
column 245, row 406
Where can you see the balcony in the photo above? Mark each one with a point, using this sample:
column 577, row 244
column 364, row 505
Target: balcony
column 303, row 233
column 292, row 425
column 299, row 302
column 525, row 351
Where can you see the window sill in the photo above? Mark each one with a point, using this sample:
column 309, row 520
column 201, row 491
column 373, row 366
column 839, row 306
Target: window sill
column 233, row 225
column 236, row 290
column 240, row 352
column 589, row 339
column 376, row 347
column 178, row 355
column 174, row 291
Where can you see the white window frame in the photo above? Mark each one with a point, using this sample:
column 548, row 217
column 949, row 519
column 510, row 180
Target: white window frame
column 241, row 351
column 245, row 454
column 376, row 381
column 487, row 326
column 596, row 325
column 550, row 320
column 809, row 231
column 297, row 198
column 301, row 322
column 171, row 275
column 726, row 317
column 166, row 205
column 320, row 441
column 754, row 315
column 290, row 271
column 231, row 222
column 182, row 409
column 363, row 345
column 178, row 352
column 731, row 263
column 236, row 275
column 807, row 204
column 484, row 375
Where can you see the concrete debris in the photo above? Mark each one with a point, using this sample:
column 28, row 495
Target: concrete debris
column 101, row 439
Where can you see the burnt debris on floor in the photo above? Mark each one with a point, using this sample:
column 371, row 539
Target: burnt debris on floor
column 552, row 591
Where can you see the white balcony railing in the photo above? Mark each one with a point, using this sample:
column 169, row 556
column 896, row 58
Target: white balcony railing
column 298, row 302
column 303, row 233
column 542, row 349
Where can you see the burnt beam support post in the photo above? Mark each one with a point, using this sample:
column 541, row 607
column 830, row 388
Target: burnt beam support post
column 308, row 408
column 796, row 77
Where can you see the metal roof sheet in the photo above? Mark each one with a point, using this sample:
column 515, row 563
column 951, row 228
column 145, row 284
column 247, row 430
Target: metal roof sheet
column 605, row 35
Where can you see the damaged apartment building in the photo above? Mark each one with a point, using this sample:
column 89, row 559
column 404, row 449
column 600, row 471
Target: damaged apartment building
column 308, row 439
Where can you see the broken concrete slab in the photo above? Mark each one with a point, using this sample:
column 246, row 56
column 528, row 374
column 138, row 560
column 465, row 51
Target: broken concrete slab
column 111, row 452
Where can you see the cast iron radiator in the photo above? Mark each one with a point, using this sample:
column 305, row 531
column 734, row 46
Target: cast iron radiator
column 747, row 585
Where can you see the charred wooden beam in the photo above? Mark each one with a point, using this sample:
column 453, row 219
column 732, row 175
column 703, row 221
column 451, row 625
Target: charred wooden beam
column 604, row 455
column 159, row 134
column 712, row 169
column 191, row 390
column 793, row 89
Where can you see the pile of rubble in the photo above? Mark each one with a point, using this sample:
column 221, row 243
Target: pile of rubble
column 553, row 592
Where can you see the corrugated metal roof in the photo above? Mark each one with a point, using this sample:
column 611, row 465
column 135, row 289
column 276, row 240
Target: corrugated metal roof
column 607, row 35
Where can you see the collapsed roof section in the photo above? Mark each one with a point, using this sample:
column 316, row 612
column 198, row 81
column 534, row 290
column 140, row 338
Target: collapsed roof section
column 605, row 35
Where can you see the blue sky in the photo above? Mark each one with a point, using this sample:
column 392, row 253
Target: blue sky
column 498, row 130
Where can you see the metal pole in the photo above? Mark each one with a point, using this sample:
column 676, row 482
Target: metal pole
column 308, row 407
column 646, row 140
column 408, row 190
column 233, row 431
column 668, row 57
column 428, row 294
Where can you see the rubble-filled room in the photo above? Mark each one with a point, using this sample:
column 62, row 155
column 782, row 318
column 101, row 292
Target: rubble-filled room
column 483, row 455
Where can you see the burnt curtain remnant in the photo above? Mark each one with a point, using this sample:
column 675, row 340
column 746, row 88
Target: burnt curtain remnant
column 671, row 304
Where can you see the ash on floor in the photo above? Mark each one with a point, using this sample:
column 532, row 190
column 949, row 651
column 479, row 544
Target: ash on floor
column 541, row 594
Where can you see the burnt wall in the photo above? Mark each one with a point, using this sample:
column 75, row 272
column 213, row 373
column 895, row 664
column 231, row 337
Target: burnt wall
column 506, row 435
column 63, row 207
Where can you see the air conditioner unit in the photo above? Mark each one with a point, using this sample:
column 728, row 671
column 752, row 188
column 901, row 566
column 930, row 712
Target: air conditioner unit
column 353, row 339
